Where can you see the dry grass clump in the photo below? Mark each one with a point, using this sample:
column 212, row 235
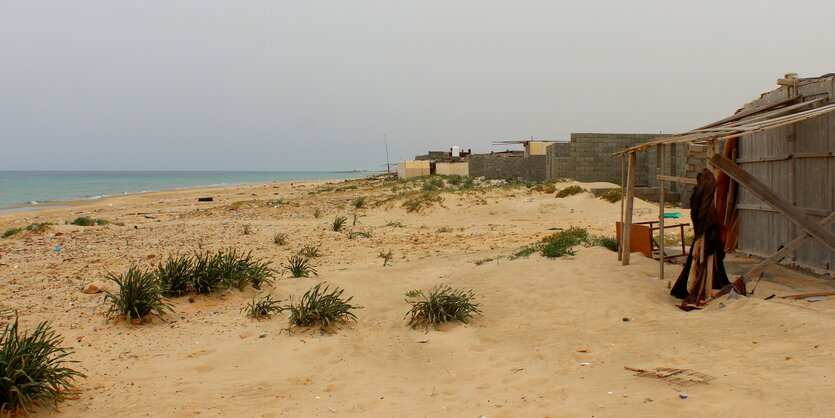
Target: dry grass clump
column 570, row 191
column 547, row 187
column 311, row 250
column 34, row 369
column 300, row 266
column 322, row 308
column 317, row 213
column 386, row 256
column 140, row 294
column 261, row 307
column 280, row 238
column 422, row 201
column 612, row 195
column 247, row 229
column 442, row 304
column 394, row 224
column 362, row 234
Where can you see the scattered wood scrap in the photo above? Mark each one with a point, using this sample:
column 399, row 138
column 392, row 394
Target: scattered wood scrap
column 808, row 295
column 680, row 377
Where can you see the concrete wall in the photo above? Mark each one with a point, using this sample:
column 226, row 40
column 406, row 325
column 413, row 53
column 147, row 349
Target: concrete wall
column 407, row 169
column 459, row 169
column 588, row 157
column 502, row 166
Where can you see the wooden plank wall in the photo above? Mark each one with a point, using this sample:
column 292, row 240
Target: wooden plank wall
column 807, row 180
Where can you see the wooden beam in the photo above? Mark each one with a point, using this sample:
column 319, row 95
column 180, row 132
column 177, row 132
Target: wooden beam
column 808, row 295
column 785, row 251
column 677, row 179
column 626, row 228
column 764, row 193
column 749, row 112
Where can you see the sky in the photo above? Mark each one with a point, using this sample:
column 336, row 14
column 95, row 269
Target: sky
column 318, row 85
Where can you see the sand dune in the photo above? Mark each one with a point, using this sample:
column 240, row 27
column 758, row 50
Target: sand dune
column 553, row 340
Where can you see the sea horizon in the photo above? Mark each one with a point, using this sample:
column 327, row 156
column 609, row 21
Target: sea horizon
column 21, row 188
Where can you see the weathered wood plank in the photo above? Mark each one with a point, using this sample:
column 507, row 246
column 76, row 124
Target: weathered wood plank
column 785, row 251
column 676, row 179
column 764, row 193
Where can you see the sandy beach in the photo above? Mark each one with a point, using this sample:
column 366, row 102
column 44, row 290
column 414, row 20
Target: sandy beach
column 553, row 340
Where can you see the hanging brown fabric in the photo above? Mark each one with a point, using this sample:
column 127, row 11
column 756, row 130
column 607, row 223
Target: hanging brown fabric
column 703, row 275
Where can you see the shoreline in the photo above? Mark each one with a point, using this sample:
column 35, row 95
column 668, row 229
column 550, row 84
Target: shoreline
column 63, row 204
column 40, row 204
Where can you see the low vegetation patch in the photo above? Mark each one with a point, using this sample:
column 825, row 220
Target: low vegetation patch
column 10, row 232
column 394, row 224
column 612, row 195
column 562, row 243
column 422, row 201
column 486, row 260
column 442, row 304
column 359, row 202
column 247, row 229
column 87, row 221
column 361, row 234
column 317, row 213
column 386, row 256
column 34, row 370
column 139, row 295
column 570, row 191
column 263, row 307
column 300, row 266
column 444, row 229
column 322, row 308
column 228, row 268
column 39, row 227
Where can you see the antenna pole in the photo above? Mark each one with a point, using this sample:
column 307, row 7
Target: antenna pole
column 388, row 165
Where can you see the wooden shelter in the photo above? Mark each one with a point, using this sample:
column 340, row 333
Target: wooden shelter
column 778, row 153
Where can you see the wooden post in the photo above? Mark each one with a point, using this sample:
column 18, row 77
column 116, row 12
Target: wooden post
column 662, row 149
column 626, row 227
column 622, row 198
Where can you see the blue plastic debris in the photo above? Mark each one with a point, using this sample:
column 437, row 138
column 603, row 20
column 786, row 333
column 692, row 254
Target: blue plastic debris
column 682, row 396
column 57, row 249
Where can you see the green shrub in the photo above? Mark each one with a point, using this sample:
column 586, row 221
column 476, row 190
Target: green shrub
column 338, row 223
column 607, row 242
column 174, row 275
column 261, row 308
column 34, row 369
column 300, row 266
column 422, row 201
column 39, row 227
column 443, row 304
column 139, row 295
column 87, row 221
column 557, row 244
column 229, row 268
column 612, row 195
column 280, row 238
column 322, row 308
column 359, row 202
column 413, row 293
column 11, row 231
column 570, row 191
column 433, row 184
column 311, row 250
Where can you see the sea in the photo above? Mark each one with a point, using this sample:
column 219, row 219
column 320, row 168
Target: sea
column 42, row 187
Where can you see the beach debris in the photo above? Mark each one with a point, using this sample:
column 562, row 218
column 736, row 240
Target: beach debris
column 93, row 287
column 815, row 298
column 682, row 396
column 57, row 249
column 422, row 341
column 807, row 296
column 205, row 199
column 680, row 377
column 585, row 364
column 263, row 334
column 626, row 319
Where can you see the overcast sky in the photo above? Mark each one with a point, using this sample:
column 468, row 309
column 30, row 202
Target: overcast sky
column 314, row 85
